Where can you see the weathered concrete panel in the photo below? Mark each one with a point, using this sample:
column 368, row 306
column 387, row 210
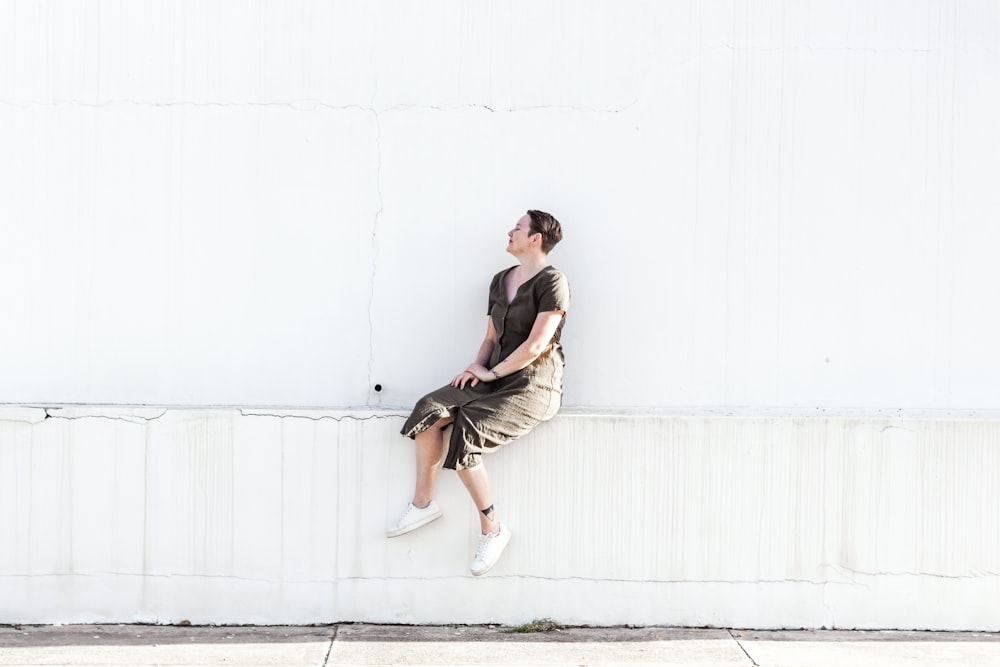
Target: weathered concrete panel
column 265, row 203
column 263, row 516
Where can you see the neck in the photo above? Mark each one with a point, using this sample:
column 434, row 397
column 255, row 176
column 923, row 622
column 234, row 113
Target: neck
column 532, row 263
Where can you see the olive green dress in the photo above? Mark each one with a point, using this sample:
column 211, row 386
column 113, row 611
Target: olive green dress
column 495, row 413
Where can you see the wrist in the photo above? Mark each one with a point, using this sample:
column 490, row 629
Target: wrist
column 496, row 376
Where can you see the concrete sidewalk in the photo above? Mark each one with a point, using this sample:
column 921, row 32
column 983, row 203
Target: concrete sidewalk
column 358, row 644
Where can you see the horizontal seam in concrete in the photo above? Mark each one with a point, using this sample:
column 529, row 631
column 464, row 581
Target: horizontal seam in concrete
column 522, row 577
column 900, row 416
column 310, row 105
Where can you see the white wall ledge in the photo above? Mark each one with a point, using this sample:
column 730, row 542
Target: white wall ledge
column 151, row 411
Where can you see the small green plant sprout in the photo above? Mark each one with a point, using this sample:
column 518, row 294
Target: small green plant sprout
column 539, row 625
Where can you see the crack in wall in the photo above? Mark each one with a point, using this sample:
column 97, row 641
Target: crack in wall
column 29, row 422
column 284, row 580
column 373, row 64
column 609, row 580
column 142, row 420
column 131, row 419
column 450, row 577
column 168, row 575
column 371, row 294
column 981, row 574
column 310, row 105
column 512, row 109
column 336, row 418
column 818, row 49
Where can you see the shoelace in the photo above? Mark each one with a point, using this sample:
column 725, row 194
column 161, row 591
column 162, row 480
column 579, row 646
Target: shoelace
column 484, row 544
column 411, row 509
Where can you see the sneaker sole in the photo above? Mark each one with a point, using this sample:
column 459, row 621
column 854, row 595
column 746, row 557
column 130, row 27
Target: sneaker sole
column 413, row 526
column 497, row 560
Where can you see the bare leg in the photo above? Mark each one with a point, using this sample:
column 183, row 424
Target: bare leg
column 430, row 450
column 477, row 482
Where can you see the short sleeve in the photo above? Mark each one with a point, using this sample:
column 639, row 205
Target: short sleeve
column 494, row 287
column 554, row 293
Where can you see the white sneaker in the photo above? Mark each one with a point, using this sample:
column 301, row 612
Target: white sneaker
column 414, row 517
column 491, row 546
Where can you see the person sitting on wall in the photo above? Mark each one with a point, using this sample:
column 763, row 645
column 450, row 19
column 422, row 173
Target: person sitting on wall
column 514, row 384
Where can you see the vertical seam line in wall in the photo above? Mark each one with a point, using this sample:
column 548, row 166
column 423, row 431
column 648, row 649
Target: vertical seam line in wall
column 373, row 61
column 378, row 215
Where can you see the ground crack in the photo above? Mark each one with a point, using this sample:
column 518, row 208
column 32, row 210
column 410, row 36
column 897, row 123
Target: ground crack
column 742, row 648
column 329, row 650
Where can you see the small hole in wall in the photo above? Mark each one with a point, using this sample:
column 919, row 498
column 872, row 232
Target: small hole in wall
column 378, row 387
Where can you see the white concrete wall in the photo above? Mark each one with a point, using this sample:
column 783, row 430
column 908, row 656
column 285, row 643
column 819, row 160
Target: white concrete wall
column 232, row 202
column 768, row 206
column 252, row 516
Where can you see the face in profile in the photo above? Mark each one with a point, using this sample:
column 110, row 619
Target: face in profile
column 520, row 237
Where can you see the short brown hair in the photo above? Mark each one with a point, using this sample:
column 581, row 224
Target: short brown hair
column 543, row 223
